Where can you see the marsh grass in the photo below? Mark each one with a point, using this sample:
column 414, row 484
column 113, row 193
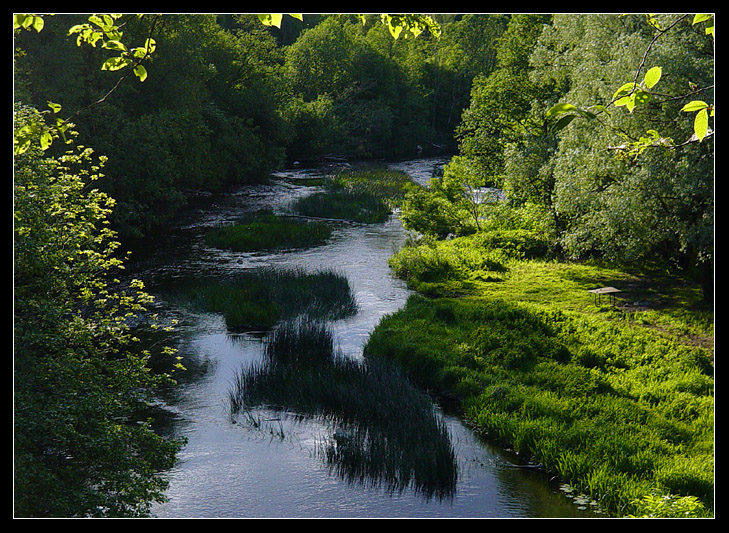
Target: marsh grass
column 365, row 195
column 265, row 231
column 385, row 432
column 259, row 299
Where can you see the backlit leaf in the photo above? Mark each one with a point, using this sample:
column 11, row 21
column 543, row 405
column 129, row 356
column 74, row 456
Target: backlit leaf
column 701, row 124
column 695, row 105
column 652, row 76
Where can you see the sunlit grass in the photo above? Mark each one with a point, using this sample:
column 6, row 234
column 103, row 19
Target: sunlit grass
column 616, row 400
column 463, row 266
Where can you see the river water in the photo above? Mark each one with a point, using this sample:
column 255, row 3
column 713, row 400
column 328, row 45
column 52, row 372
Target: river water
column 272, row 470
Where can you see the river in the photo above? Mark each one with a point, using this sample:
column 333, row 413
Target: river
column 229, row 470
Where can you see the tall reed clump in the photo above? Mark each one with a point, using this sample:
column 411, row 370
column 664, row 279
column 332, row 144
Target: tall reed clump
column 266, row 231
column 385, row 432
column 363, row 195
column 260, row 298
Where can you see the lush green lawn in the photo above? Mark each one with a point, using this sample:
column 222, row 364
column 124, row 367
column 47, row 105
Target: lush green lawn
column 615, row 400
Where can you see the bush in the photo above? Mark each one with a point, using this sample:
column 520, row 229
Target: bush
column 81, row 378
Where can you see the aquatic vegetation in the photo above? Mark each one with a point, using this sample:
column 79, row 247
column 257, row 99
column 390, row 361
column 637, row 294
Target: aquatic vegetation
column 385, row 431
column 266, row 231
column 260, row 298
column 362, row 195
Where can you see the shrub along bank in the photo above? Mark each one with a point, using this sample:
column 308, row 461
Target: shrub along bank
column 615, row 400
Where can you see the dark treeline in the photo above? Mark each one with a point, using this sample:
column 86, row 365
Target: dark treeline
column 228, row 100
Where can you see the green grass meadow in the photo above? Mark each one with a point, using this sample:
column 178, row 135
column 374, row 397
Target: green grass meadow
column 615, row 400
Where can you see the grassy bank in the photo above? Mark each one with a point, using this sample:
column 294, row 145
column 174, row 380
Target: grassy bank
column 615, row 400
column 266, row 231
column 365, row 195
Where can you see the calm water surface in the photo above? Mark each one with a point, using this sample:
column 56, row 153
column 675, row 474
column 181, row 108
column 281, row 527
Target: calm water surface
column 231, row 470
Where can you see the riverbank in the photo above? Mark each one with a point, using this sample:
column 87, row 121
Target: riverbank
column 615, row 400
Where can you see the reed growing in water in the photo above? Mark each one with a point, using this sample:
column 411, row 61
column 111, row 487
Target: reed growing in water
column 385, row 431
column 363, row 195
column 266, row 231
column 258, row 299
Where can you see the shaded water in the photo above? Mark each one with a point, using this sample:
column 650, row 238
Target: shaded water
column 273, row 469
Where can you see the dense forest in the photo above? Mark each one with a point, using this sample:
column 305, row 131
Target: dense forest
column 231, row 100
column 597, row 129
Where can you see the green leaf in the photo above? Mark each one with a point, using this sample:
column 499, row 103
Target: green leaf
column 701, row 17
column 395, row 30
column 115, row 63
column 624, row 90
column 271, row 19
column 38, row 23
column 705, row 17
column 26, row 21
column 632, row 101
column 561, row 108
column 628, row 101
column 701, row 124
column 641, row 97
column 652, row 76
column 695, row 105
column 140, row 72
column 562, row 123
column 46, row 139
column 22, row 138
column 115, row 45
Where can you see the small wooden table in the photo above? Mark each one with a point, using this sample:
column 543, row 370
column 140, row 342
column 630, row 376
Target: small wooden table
column 609, row 291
